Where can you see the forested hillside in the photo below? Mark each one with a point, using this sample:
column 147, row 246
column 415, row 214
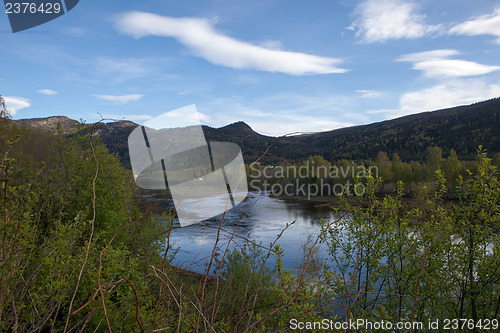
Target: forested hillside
column 461, row 128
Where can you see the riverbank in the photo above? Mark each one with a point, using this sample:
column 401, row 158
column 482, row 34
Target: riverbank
column 333, row 202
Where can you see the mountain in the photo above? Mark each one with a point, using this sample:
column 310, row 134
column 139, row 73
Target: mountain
column 68, row 126
column 115, row 136
column 462, row 128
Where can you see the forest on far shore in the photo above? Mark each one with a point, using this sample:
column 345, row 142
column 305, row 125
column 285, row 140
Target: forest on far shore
column 390, row 170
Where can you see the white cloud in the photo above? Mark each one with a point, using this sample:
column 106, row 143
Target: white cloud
column 200, row 36
column 483, row 25
column 15, row 104
column 452, row 85
column 120, row 99
column 47, row 92
column 382, row 20
column 436, row 64
column 443, row 95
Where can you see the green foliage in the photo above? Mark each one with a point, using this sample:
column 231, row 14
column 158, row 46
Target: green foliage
column 324, row 177
column 396, row 264
column 55, row 251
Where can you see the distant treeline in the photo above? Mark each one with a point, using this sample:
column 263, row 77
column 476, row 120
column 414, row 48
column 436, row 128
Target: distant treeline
column 316, row 170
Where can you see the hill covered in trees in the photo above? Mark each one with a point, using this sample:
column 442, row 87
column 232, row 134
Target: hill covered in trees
column 461, row 128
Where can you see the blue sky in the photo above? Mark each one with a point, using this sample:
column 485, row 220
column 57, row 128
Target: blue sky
column 281, row 66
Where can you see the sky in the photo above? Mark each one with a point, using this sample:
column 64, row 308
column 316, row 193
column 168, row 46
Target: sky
column 280, row 66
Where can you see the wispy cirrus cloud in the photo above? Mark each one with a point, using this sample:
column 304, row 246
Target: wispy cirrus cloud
column 437, row 63
column 120, row 99
column 382, row 20
column 200, row 36
column 49, row 92
column 15, row 104
column 488, row 24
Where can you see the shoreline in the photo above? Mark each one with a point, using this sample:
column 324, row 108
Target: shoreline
column 408, row 202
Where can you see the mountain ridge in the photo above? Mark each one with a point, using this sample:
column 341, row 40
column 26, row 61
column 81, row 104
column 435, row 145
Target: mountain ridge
column 462, row 128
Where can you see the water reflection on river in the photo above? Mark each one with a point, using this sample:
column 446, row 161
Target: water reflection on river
column 260, row 219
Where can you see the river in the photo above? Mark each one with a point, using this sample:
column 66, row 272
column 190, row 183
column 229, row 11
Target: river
column 259, row 218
